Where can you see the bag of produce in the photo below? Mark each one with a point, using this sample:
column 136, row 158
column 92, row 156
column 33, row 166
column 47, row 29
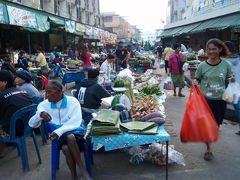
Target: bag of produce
column 232, row 93
column 199, row 124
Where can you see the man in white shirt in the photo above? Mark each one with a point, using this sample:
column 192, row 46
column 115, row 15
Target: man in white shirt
column 64, row 113
column 106, row 66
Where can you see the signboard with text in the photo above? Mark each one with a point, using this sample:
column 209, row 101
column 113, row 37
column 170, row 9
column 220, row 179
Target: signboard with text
column 21, row 17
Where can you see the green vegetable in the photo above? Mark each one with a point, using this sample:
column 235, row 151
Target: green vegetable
column 151, row 90
column 119, row 83
column 115, row 100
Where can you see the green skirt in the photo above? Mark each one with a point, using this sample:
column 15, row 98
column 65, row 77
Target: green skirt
column 178, row 80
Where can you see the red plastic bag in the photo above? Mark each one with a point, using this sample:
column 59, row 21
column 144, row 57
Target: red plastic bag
column 199, row 124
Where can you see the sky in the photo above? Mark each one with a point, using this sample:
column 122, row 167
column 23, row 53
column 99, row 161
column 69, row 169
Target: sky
column 146, row 14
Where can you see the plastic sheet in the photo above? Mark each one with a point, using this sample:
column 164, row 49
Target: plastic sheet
column 156, row 153
column 232, row 93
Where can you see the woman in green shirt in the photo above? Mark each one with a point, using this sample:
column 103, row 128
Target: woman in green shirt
column 212, row 76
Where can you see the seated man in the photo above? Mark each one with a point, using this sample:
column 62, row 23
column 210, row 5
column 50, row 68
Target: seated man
column 106, row 66
column 64, row 112
column 90, row 93
column 23, row 81
column 11, row 100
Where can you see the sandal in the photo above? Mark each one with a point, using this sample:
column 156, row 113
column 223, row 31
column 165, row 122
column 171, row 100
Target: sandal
column 174, row 94
column 208, row 156
column 181, row 95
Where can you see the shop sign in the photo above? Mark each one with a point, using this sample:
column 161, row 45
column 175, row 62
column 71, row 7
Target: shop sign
column 21, row 17
column 88, row 30
column 80, row 27
column 1, row 14
column 70, row 26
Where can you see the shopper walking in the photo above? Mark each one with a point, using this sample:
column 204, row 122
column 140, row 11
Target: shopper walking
column 176, row 61
column 234, row 60
column 166, row 53
column 212, row 75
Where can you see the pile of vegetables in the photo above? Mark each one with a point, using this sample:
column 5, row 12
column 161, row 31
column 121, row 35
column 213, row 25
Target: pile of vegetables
column 138, row 59
column 119, row 83
column 156, row 117
column 143, row 107
column 191, row 57
column 74, row 62
column 151, row 91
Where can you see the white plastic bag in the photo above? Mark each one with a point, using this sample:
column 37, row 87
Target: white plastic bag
column 185, row 66
column 232, row 93
column 168, row 84
column 162, row 64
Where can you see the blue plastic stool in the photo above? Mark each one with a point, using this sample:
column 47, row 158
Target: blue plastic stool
column 55, row 153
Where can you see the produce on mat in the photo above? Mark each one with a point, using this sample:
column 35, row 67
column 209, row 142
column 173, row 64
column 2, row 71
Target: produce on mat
column 157, row 120
column 151, row 116
column 151, row 90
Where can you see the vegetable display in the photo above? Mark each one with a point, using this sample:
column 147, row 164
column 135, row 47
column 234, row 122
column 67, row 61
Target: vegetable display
column 151, row 90
column 144, row 106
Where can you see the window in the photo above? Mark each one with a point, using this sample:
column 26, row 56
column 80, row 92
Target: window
column 107, row 19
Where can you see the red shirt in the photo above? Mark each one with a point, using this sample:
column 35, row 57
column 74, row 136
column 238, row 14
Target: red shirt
column 174, row 64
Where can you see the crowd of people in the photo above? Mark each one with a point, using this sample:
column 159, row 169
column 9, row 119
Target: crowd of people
column 68, row 113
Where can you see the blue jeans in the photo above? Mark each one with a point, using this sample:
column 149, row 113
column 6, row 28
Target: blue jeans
column 237, row 111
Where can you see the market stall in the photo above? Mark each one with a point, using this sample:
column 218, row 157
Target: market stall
column 134, row 120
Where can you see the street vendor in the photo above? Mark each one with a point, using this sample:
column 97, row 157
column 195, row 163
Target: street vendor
column 90, row 93
column 106, row 67
column 11, row 100
column 63, row 112
column 23, row 81
column 122, row 56
column 42, row 62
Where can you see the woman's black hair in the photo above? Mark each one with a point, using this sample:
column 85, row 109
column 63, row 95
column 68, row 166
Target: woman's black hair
column 218, row 43
column 175, row 46
column 230, row 46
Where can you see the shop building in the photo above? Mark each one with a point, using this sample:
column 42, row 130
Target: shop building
column 202, row 20
column 25, row 25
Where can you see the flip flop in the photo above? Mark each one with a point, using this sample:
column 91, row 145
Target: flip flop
column 208, row 156
column 181, row 95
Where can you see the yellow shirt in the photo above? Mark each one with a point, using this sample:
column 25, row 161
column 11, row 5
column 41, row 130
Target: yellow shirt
column 41, row 60
column 167, row 52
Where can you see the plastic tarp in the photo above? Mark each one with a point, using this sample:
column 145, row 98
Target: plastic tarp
column 187, row 29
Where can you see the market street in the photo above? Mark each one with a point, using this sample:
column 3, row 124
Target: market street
column 115, row 164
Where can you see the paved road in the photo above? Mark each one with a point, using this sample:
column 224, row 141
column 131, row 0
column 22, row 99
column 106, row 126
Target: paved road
column 115, row 164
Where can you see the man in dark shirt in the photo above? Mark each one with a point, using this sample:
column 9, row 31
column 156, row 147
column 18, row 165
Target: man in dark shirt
column 90, row 93
column 11, row 100
column 121, row 57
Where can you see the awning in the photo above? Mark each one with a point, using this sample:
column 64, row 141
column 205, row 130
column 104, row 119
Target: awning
column 56, row 20
column 3, row 13
column 229, row 21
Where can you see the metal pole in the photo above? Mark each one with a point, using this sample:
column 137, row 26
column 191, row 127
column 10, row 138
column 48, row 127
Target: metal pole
column 166, row 160
column 29, row 43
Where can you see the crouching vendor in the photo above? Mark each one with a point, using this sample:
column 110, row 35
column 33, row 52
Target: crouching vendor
column 64, row 113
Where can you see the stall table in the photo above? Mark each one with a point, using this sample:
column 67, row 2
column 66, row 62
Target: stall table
column 127, row 140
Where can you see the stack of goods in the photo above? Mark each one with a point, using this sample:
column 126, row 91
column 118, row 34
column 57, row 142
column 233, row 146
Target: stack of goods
column 137, row 127
column 144, row 106
column 106, row 123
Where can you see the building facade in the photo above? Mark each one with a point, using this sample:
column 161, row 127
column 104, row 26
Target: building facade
column 194, row 22
column 117, row 24
column 83, row 11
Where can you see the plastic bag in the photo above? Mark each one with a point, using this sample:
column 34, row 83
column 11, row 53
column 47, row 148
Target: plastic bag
column 185, row 66
column 199, row 124
column 232, row 93
column 168, row 84
column 162, row 64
